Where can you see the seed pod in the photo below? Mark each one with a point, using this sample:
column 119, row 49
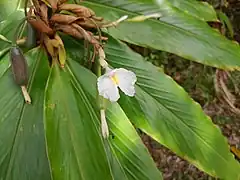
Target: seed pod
column 20, row 71
column 19, row 66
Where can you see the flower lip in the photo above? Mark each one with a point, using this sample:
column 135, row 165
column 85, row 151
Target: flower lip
column 114, row 78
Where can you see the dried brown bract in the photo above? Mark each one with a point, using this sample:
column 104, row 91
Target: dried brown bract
column 44, row 13
column 48, row 17
column 70, row 30
column 65, row 19
column 81, row 11
column 40, row 25
column 53, row 4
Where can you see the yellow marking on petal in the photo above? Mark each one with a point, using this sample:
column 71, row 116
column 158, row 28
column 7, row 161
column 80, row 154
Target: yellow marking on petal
column 115, row 79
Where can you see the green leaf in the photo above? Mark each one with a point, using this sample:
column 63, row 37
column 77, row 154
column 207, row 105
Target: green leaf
column 176, row 32
column 164, row 110
column 75, row 149
column 127, row 155
column 128, row 151
column 201, row 10
column 8, row 27
column 23, row 151
column 226, row 22
column 8, row 7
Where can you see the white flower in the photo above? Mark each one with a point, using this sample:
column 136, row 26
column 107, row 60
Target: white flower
column 108, row 83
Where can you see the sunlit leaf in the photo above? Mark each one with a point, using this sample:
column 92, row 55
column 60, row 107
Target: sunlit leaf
column 75, row 149
column 175, row 32
column 23, row 151
column 8, row 7
column 128, row 152
column 8, row 28
column 164, row 110
column 199, row 9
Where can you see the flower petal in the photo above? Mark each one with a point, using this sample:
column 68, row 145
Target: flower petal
column 126, row 81
column 107, row 88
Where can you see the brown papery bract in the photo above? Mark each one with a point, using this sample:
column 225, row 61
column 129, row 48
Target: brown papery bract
column 87, row 24
column 65, row 19
column 53, row 4
column 49, row 45
column 61, row 2
column 61, row 51
column 68, row 29
column 36, row 5
column 44, row 13
column 40, row 26
column 81, row 11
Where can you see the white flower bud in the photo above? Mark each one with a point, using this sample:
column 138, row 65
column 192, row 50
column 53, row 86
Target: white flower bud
column 104, row 126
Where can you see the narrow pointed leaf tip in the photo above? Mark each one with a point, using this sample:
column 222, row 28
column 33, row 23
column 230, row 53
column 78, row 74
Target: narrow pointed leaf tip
column 109, row 82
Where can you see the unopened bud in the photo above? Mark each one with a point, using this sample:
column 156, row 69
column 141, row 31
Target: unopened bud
column 104, row 126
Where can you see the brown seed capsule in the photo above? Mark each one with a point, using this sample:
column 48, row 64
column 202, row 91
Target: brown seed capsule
column 19, row 66
column 20, row 71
